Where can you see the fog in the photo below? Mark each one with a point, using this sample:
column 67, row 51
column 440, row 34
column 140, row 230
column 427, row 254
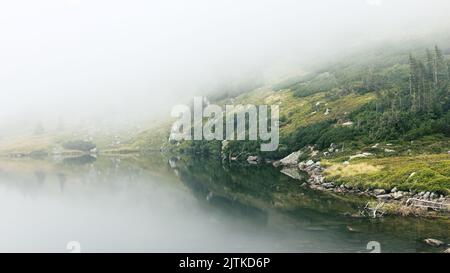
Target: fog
column 116, row 61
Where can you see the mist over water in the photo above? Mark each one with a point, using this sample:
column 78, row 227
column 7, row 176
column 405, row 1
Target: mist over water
column 119, row 62
column 142, row 204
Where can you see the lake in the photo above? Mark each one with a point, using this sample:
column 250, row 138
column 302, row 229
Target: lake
column 150, row 203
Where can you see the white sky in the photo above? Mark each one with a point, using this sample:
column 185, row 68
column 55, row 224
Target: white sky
column 137, row 58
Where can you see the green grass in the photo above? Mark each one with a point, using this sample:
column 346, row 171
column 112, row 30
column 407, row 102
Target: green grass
column 419, row 173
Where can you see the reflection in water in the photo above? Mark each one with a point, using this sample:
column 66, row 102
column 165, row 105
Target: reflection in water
column 40, row 177
column 79, row 160
column 149, row 203
column 62, row 180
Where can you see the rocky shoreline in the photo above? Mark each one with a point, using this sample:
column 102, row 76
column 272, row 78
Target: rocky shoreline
column 401, row 202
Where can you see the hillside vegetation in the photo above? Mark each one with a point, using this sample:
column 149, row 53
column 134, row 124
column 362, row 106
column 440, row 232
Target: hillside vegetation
column 393, row 105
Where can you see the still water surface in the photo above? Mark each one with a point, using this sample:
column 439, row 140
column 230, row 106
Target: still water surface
column 146, row 203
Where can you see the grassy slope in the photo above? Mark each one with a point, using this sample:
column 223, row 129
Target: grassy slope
column 420, row 173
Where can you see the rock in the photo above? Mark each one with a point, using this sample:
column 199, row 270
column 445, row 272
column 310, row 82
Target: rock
column 316, row 178
column 421, row 193
column 375, row 146
column 332, row 147
column 327, row 112
column 389, row 150
column 394, row 190
column 360, row 155
column 434, row 242
column 379, row 191
column 253, row 159
column 348, row 186
column 293, row 173
column 384, row 196
column 348, row 123
column 309, row 163
column 276, row 164
column 426, row 195
column 433, row 195
column 447, row 250
column 346, row 163
column 397, row 195
column 328, row 185
column 291, row 159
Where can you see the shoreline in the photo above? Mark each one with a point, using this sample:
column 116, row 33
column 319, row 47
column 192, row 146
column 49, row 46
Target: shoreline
column 385, row 202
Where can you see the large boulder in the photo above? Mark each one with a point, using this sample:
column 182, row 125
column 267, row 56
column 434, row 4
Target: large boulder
column 292, row 159
column 80, row 145
column 293, row 173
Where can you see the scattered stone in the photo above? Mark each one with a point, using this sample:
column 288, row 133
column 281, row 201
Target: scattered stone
column 346, row 163
column 375, row 146
column 434, row 242
column 397, row 195
column 389, row 150
column 384, row 196
column 360, row 155
column 348, row 123
column 394, row 190
column 332, row 148
column 327, row 111
column 328, row 185
column 253, row 159
column 379, row 191
column 309, row 163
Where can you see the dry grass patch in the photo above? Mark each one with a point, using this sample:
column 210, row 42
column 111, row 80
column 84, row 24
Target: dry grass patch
column 352, row 169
